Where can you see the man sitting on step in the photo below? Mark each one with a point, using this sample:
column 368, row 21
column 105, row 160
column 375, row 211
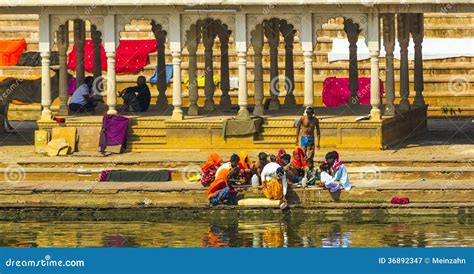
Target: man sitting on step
column 137, row 98
column 82, row 100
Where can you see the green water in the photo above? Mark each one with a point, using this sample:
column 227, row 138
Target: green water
column 178, row 228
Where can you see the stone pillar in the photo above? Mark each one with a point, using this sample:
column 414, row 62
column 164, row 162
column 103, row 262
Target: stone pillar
column 177, row 96
column 79, row 42
column 160, row 36
column 417, row 32
column 272, row 32
column 352, row 30
column 389, row 44
column 175, row 46
column 288, row 32
column 110, row 44
column 208, row 36
column 241, row 45
column 373, row 36
column 403, row 39
column 193, row 37
column 45, row 52
column 97, row 41
column 307, row 44
column 224, row 34
column 257, row 44
column 62, row 40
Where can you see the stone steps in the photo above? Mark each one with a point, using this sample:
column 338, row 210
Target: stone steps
column 369, row 175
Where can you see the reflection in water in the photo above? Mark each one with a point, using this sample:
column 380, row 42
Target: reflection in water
column 277, row 231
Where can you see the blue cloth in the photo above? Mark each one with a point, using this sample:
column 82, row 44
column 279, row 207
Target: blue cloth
column 221, row 196
column 305, row 140
column 169, row 75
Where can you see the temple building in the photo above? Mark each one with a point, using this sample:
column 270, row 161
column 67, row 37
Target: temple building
column 359, row 63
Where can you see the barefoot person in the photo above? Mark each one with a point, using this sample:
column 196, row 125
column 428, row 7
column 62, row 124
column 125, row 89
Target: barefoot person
column 307, row 124
column 338, row 179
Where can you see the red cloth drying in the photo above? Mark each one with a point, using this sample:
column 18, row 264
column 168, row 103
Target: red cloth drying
column 131, row 56
column 400, row 200
column 336, row 91
column 10, row 51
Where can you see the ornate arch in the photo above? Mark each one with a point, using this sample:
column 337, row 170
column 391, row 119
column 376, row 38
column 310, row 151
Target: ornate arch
column 122, row 20
column 57, row 20
column 254, row 19
column 192, row 19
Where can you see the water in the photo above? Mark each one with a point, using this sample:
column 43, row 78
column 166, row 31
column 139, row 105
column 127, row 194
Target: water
column 178, row 228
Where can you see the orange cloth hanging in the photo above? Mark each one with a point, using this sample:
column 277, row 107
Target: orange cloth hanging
column 10, row 51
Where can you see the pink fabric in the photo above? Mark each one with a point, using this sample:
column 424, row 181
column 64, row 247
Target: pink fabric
column 131, row 56
column 400, row 200
column 71, row 87
column 336, row 91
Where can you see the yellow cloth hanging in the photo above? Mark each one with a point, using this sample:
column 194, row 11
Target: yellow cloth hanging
column 201, row 81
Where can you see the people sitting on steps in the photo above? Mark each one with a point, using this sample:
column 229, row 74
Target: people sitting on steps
column 83, row 100
column 137, row 98
column 276, row 176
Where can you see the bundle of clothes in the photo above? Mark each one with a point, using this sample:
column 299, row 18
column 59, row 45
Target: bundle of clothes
column 274, row 173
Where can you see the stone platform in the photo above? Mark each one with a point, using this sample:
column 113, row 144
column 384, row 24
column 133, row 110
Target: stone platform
column 155, row 130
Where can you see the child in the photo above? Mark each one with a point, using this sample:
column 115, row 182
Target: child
column 309, row 151
column 310, row 174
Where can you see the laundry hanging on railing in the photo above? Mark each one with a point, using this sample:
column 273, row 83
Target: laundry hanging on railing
column 336, row 91
column 169, row 75
column 10, row 51
column 201, row 81
column 131, row 56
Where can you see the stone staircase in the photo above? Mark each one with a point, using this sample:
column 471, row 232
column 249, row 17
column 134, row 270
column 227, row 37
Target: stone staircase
column 439, row 75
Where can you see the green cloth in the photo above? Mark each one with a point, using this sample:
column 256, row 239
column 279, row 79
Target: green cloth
column 139, row 176
column 242, row 125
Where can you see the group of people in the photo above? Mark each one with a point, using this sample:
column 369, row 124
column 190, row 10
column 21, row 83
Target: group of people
column 135, row 99
column 275, row 173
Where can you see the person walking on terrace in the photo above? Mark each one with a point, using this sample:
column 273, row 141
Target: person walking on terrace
column 307, row 124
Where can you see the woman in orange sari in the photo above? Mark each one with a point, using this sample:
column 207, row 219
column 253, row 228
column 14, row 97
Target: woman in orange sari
column 220, row 191
column 208, row 170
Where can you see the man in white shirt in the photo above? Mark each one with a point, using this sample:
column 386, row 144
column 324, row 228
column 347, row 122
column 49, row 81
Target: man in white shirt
column 274, row 183
column 82, row 100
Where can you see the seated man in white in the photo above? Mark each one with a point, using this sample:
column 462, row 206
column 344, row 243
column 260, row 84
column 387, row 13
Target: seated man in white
column 82, row 100
column 334, row 174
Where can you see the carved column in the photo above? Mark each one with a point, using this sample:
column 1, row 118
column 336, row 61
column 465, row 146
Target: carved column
column 241, row 45
column 160, row 36
column 417, row 32
column 352, row 30
column 175, row 46
column 224, row 34
column 177, row 95
column 272, row 32
column 193, row 37
column 62, row 40
column 389, row 44
column 288, row 32
column 257, row 44
column 403, row 39
column 208, row 36
column 110, row 45
column 79, row 42
column 97, row 41
column 307, row 45
column 45, row 52
column 374, row 48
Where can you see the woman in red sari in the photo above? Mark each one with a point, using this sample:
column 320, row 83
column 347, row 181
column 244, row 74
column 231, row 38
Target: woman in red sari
column 208, row 170
column 296, row 170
